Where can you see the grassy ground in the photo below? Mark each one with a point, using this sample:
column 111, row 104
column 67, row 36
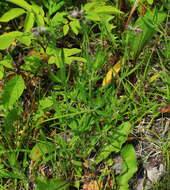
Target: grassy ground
column 86, row 108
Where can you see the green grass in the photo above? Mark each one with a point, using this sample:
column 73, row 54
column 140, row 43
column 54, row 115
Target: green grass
column 66, row 128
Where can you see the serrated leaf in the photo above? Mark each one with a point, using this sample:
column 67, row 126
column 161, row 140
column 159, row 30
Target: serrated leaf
column 13, row 90
column 7, row 38
column 129, row 167
column 75, row 26
column 119, row 136
column 29, row 22
column 65, row 29
column 11, row 14
column 21, row 3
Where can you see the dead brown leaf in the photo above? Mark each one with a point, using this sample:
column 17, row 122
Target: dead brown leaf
column 165, row 109
column 93, row 185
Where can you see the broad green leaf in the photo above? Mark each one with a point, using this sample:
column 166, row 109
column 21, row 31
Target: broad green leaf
column 53, row 60
column 89, row 6
column 69, row 60
column 119, row 136
column 55, row 7
column 69, row 52
column 75, row 26
column 9, row 119
column 41, row 11
column 65, row 29
column 21, row 3
column 6, row 62
column 40, row 149
column 1, row 72
column 129, row 167
column 7, row 38
column 12, row 91
column 93, row 16
column 51, row 184
column 59, row 19
column 39, row 14
column 106, row 20
column 40, row 20
column 29, row 22
column 107, row 10
column 36, row 9
column 11, row 14
column 150, row 2
column 26, row 40
column 68, row 56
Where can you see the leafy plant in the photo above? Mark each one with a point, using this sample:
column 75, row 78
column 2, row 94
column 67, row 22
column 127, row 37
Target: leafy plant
column 79, row 81
column 12, row 92
column 129, row 167
column 118, row 137
column 148, row 26
column 51, row 184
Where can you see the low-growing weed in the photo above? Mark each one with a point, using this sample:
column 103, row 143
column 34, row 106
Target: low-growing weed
column 77, row 81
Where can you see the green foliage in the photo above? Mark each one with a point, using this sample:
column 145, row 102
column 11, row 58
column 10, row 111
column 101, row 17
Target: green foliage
column 1, row 72
column 118, row 137
column 68, row 56
column 12, row 91
column 149, row 25
column 29, row 22
column 40, row 150
column 59, row 125
column 12, row 116
column 21, row 3
column 51, row 184
column 7, row 38
column 34, row 13
column 11, row 14
column 129, row 167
